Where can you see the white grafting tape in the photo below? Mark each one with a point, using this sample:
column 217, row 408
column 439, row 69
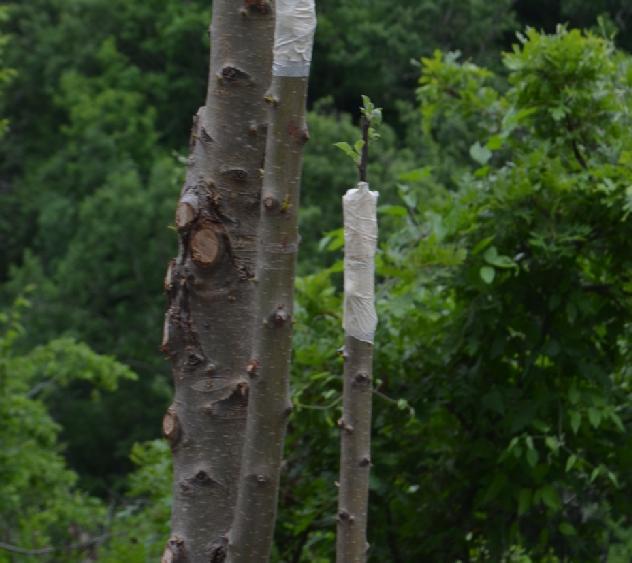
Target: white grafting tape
column 360, row 228
column 293, row 37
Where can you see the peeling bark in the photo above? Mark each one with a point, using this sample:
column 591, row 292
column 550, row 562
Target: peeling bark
column 207, row 334
column 250, row 537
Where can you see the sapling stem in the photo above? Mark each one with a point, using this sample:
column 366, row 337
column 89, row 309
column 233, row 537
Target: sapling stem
column 250, row 538
column 360, row 319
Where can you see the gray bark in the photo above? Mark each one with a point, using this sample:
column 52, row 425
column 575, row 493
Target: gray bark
column 250, row 538
column 210, row 285
column 355, row 452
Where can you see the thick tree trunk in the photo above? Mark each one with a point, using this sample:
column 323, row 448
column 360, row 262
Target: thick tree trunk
column 210, row 285
column 250, row 538
column 360, row 322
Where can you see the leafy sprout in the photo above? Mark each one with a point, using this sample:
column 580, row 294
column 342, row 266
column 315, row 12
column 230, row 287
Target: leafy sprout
column 371, row 117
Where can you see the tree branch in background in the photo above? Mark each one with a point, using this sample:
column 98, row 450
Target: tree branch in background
column 48, row 550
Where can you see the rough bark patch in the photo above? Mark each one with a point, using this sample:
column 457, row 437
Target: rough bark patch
column 174, row 551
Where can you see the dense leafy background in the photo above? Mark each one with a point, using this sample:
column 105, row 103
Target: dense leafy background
column 502, row 410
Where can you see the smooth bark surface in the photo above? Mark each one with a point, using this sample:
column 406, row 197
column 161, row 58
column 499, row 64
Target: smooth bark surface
column 355, row 452
column 210, row 285
column 359, row 321
column 250, row 538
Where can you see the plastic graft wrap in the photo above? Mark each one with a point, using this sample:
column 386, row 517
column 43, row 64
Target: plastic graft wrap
column 360, row 222
column 294, row 37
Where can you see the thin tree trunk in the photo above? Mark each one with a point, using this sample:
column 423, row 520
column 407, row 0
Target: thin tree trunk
column 360, row 321
column 208, row 325
column 250, row 538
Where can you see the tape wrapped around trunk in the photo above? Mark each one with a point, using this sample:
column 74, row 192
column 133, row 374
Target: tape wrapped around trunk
column 360, row 230
column 293, row 37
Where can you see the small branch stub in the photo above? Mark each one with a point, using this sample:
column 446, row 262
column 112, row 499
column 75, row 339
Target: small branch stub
column 185, row 215
column 252, row 367
column 205, row 246
column 280, row 316
column 258, row 6
column 171, row 426
column 344, row 516
column 270, row 203
column 174, row 551
column 235, row 75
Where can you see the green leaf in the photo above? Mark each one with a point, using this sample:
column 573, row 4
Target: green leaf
column 594, row 416
column 576, row 419
column 524, row 501
column 552, row 443
column 492, row 257
column 567, row 529
column 550, row 497
column 481, row 245
column 346, row 148
column 393, row 210
column 532, row 457
column 613, row 479
column 617, row 421
column 402, row 404
column 496, row 142
column 570, row 462
column 480, row 153
column 487, row 274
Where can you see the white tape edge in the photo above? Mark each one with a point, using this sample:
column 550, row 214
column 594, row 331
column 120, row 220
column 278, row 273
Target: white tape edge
column 293, row 37
column 360, row 231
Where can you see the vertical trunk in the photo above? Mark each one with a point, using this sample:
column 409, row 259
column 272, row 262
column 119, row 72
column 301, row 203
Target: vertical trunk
column 250, row 538
column 210, row 287
column 359, row 322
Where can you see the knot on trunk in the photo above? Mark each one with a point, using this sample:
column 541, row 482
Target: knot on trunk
column 171, row 428
column 344, row 516
column 234, row 75
column 261, row 7
column 174, row 551
column 217, row 550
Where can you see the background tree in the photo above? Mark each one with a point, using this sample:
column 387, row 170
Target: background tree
column 44, row 513
column 120, row 79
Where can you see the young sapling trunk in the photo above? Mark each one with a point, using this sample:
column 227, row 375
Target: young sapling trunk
column 250, row 537
column 360, row 321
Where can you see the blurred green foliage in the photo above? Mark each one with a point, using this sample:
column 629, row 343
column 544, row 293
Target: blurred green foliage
column 41, row 504
column 502, row 409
